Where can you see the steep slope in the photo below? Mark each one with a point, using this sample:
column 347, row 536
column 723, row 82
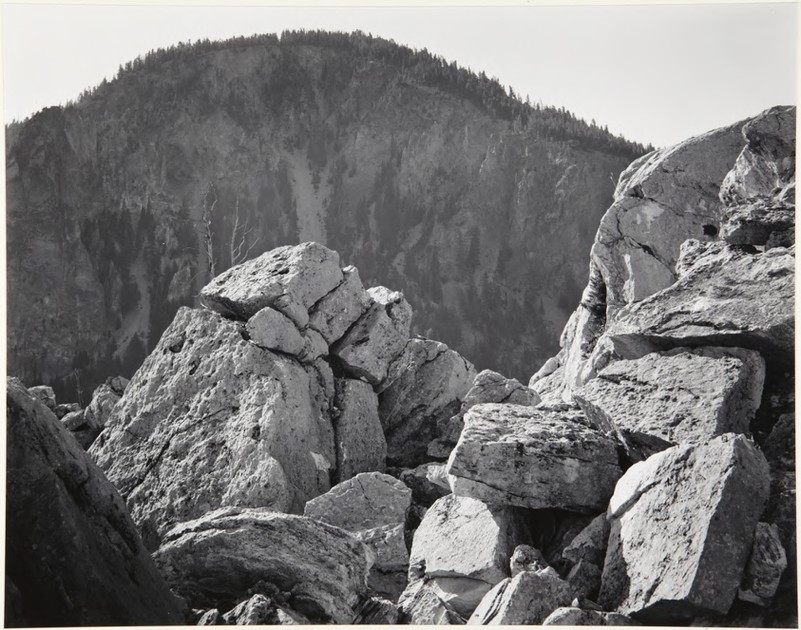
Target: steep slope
column 429, row 178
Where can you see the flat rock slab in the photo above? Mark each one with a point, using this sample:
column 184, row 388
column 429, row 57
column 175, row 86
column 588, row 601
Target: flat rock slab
column 725, row 296
column 377, row 338
column 463, row 547
column 534, row 458
column 211, row 420
column 425, row 386
column 217, row 558
column 682, row 526
column 73, row 554
column 526, row 599
column 360, row 442
column 291, row 279
column 677, row 397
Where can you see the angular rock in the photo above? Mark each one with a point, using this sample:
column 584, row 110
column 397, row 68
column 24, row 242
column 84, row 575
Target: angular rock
column 377, row 337
column 424, row 387
column 421, row 606
column 272, row 330
column 526, row 599
column 333, row 314
column 360, row 442
column 570, row 616
column 533, row 457
column 590, row 543
column 677, row 397
column 368, row 500
column 44, row 393
column 373, row 507
column 214, row 560
column 765, row 566
column 492, row 387
column 291, row 279
column 73, row 554
column 424, row 482
column 314, row 346
column 725, row 296
column 682, row 525
column 526, row 558
column 462, row 547
column 212, row 420
column 377, row 611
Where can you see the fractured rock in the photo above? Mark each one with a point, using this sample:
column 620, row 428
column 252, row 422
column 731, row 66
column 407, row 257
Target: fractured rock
column 425, row 386
column 272, row 330
column 590, row 543
column 421, row 606
column 765, row 566
column 377, row 611
column 463, row 547
column 360, row 442
column 377, row 337
column 217, row 558
column 675, row 397
column 291, row 279
column 725, row 296
column 533, row 457
column 260, row 610
column 682, row 525
column 73, row 555
column 526, row 599
column 333, row 314
column 211, row 420
column 585, row 579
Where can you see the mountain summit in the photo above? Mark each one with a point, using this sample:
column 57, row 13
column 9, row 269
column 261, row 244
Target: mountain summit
column 431, row 179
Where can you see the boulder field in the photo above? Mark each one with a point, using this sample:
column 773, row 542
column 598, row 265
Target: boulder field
column 288, row 454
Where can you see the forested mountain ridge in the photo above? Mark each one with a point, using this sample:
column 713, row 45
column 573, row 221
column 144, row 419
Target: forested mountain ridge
column 429, row 178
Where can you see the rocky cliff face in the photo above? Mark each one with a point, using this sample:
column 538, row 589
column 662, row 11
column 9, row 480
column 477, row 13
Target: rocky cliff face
column 429, row 178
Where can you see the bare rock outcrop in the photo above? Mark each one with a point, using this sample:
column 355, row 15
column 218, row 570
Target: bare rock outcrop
column 675, row 397
column 73, row 554
column 682, row 527
column 216, row 559
column 534, row 458
column 338, row 310
column 360, row 441
column 424, row 387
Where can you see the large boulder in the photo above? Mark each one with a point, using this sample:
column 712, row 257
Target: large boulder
column 360, row 442
column 462, row 549
column 73, row 555
column 373, row 507
column 211, row 420
column 424, row 387
column 534, row 458
column 725, row 296
column 376, row 338
column 682, row 526
column 675, row 397
column 291, row 279
column 215, row 560
column 526, row 599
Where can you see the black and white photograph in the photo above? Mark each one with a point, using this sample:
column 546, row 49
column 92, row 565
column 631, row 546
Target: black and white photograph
column 388, row 314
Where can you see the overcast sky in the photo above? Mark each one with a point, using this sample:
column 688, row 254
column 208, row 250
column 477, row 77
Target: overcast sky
column 655, row 73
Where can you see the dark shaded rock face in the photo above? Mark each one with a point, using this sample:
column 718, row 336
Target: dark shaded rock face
column 73, row 554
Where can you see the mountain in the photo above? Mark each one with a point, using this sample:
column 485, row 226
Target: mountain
column 431, row 179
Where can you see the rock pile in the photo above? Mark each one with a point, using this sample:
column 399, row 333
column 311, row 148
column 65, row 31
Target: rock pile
column 291, row 456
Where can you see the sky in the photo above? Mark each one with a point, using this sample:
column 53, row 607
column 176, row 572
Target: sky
column 653, row 73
